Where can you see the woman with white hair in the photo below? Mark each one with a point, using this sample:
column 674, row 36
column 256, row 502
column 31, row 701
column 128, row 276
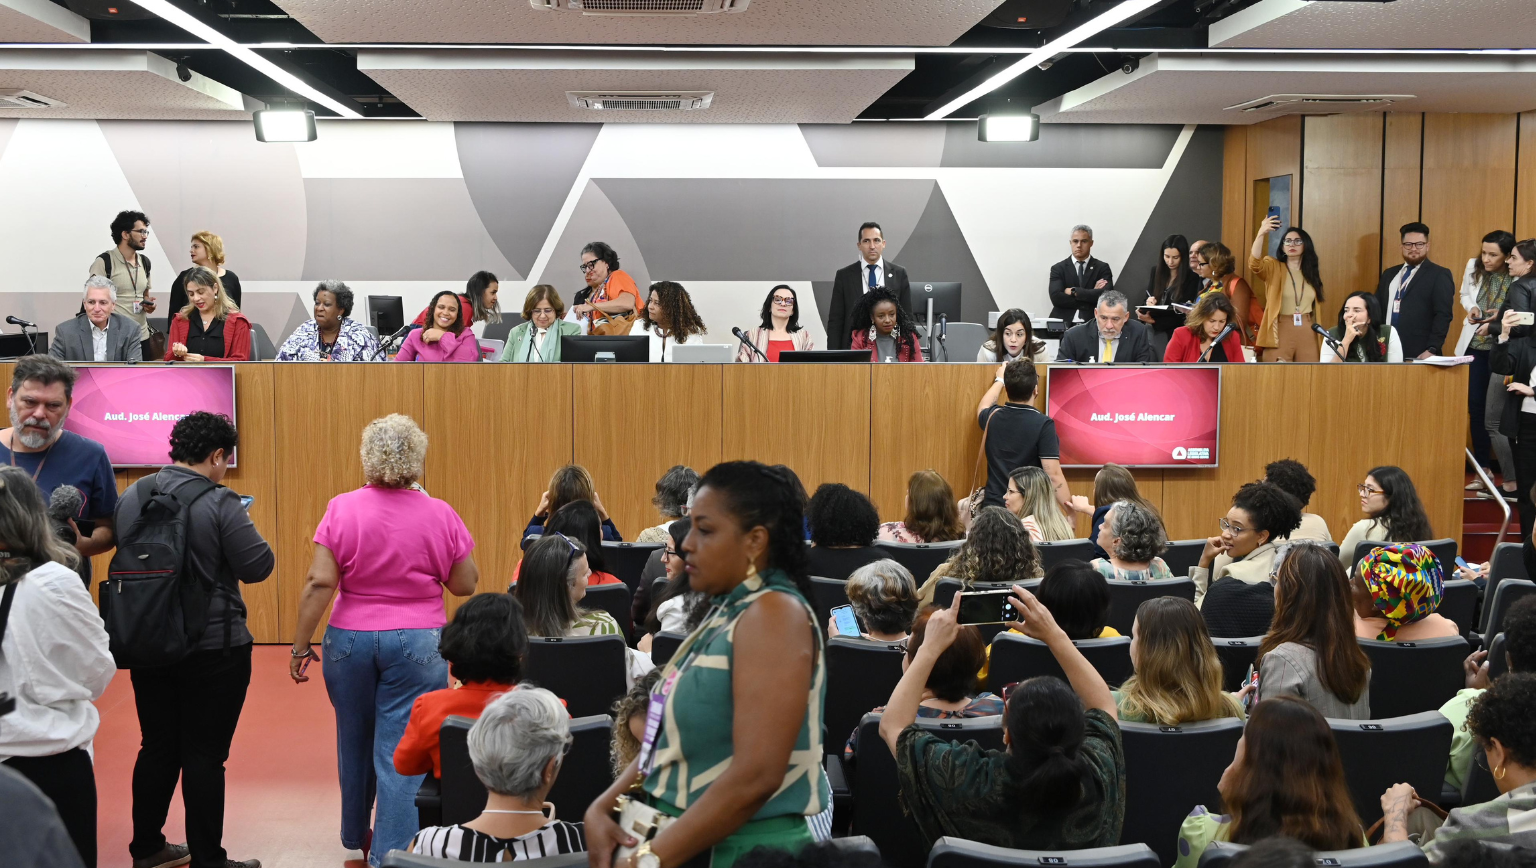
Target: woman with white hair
column 385, row 552
column 883, row 596
column 516, row 746
column 1133, row 535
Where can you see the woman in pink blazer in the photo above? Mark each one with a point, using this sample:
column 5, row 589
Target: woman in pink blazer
column 446, row 339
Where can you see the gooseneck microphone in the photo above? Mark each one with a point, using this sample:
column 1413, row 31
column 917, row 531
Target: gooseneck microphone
column 18, row 321
column 1332, row 342
column 1230, row 328
column 736, row 330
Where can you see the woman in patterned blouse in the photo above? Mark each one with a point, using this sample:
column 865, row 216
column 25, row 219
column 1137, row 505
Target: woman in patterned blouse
column 332, row 336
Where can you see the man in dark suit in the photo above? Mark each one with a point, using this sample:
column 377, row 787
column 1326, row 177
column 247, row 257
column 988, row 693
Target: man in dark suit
column 852, row 282
column 97, row 334
column 1111, row 336
column 1077, row 280
column 1417, row 296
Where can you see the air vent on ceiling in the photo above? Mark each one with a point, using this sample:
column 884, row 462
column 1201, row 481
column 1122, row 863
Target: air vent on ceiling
column 1319, row 103
column 14, row 98
column 641, row 7
column 685, row 101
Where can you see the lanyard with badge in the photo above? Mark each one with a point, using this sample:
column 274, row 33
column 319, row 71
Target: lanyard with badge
column 1298, row 291
column 656, row 712
column 1402, row 287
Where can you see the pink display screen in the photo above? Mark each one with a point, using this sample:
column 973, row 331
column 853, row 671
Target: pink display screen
column 1138, row 417
column 130, row 409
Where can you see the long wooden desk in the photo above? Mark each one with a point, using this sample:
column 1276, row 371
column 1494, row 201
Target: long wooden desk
column 497, row 432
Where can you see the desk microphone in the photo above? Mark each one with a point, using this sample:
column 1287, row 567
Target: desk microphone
column 1205, row 356
column 736, row 330
column 18, row 321
column 1337, row 347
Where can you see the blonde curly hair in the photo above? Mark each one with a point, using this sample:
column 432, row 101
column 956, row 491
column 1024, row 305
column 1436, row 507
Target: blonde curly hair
column 394, row 451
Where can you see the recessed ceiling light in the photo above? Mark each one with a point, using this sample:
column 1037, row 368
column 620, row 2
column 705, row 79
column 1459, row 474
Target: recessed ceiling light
column 285, row 125
column 1008, row 128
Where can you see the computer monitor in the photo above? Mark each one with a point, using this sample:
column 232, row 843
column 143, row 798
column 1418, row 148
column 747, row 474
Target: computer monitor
column 386, row 313
column 945, row 298
column 625, row 348
column 16, row 346
column 835, row 357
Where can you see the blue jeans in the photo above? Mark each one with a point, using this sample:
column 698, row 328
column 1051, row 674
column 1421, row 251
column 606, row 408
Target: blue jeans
column 373, row 678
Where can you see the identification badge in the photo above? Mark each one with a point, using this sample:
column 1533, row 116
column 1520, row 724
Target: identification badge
column 1296, row 320
column 654, row 714
column 1397, row 305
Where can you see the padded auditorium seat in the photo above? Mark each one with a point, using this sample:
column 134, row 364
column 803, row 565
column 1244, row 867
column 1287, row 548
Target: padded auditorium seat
column 1379, row 753
column 1053, row 553
column 959, row 853
column 1458, row 602
column 613, row 599
column 1444, row 551
column 1183, row 555
column 947, row 587
column 1016, row 657
column 1168, row 771
column 626, row 560
column 1410, row 677
column 588, row 672
column 1236, row 656
column 1403, row 854
column 920, row 559
column 876, row 811
column 664, row 645
column 1125, row 597
column 826, row 595
column 1508, row 562
column 860, row 676
column 1509, row 592
column 584, row 773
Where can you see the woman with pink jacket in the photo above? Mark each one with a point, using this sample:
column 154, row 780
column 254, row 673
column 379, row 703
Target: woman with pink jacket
column 445, row 339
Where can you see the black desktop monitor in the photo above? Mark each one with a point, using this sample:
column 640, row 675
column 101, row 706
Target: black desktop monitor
column 836, row 357
column 945, row 298
column 625, row 348
column 16, row 346
column 386, row 313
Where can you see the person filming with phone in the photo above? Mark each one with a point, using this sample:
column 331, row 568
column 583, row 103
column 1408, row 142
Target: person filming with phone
column 1515, row 357
column 1059, row 782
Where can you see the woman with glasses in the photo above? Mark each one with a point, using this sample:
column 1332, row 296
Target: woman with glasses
column 537, row 337
column 385, row 552
column 781, row 331
column 553, row 579
column 1293, row 294
column 1393, row 512
column 679, row 608
column 1260, row 516
column 606, row 310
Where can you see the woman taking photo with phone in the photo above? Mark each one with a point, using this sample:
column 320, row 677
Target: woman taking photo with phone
column 1515, row 357
column 1293, row 294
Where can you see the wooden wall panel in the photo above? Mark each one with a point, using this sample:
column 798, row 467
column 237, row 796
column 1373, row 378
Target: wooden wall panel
column 1274, row 149
column 632, row 422
column 1469, row 188
column 938, row 400
column 1525, row 171
column 495, row 493
column 321, row 410
column 814, row 418
column 1341, row 198
column 256, row 476
column 1235, row 190
column 1402, row 154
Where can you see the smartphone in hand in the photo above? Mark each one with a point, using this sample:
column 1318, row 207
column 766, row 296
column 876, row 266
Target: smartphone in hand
column 847, row 622
column 988, row 607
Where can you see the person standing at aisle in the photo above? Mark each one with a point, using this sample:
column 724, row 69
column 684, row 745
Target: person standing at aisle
column 128, row 269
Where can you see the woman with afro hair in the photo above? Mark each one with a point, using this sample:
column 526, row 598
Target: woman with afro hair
column 881, row 326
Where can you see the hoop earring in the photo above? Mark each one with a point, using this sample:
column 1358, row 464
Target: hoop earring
column 1500, row 772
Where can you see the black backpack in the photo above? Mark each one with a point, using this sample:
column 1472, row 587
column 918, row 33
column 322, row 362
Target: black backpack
column 106, row 262
column 154, row 608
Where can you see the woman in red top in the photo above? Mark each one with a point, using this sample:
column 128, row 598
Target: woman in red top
column 578, row 520
column 210, row 328
column 1210, row 316
column 781, row 330
column 484, row 645
column 883, row 328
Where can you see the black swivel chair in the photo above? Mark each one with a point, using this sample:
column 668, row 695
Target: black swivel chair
column 664, row 645
column 920, row 559
column 626, row 560
column 1016, row 657
column 1126, row 597
column 860, row 676
column 1053, row 553
column 498, row 331
column 959, row 853
column 826, row 595
column 615, row 600
column 1379, row 753
column 1410, row 677
column 1183, row 555
column 262, row 349
column 1169, row 770
column 588, row 672
column 1236, row 656
column 876, row 811
column 1403, row 854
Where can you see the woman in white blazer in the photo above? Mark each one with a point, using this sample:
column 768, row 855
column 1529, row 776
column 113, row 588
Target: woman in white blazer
column 1485, row 285
column 781, row 330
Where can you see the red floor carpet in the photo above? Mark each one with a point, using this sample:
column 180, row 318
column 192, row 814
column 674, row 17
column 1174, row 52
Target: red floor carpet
column 283, row 806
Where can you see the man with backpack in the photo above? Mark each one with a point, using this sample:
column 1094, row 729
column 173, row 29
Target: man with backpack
column 128, row 269
column 173, row 611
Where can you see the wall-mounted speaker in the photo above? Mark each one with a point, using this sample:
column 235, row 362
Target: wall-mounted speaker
column 107, row 10
column 1029, row 14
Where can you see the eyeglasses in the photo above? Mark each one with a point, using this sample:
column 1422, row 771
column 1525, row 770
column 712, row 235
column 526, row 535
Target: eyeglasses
column 1415, row 245
column 144, row 232
column 1233, row 528
column 574, row 550
column 1008, row 690
column 668, row 553
column 588, row 266
column 1293, row 242
column 783, row 302
column 1367, row 491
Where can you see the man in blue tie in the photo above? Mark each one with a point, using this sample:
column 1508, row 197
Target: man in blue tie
column 872, row 271
column 1417, row 297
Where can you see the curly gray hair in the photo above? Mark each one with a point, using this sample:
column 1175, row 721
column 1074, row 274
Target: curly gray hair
column 394, row 451
column 517, row 735
column 884, row 596
column 1139, row 530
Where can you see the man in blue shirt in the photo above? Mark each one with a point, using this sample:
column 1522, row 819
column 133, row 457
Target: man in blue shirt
column 42, row 388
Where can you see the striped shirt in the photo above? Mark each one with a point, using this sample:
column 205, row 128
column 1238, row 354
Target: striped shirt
column 555, row 838
column 1508, row 819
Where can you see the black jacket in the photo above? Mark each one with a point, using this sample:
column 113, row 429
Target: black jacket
column 1084, row 296
column 1081, row 342
column 848, row 288
column 1515, row 358
column 1427, row 305
column 1521, row 297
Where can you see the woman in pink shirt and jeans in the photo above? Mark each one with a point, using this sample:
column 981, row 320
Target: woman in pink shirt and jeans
column 389, row 549
column 445, row 339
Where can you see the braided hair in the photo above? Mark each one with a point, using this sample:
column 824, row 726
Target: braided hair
column 863, row 316
column 759, row 495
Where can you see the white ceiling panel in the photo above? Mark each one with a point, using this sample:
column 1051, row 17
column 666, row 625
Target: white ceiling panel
column 1196, row 89
column 764, row 22
column 531, row 85
column 1400, row 24
column 41, row 21
column 115, row 84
